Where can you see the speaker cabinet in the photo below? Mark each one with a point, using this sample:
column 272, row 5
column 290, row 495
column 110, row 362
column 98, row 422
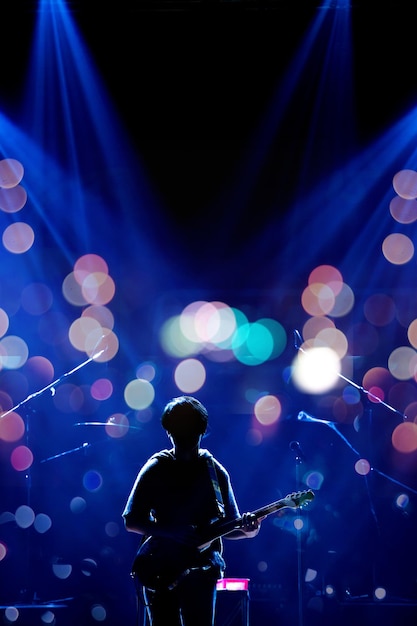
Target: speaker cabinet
column 232, row 608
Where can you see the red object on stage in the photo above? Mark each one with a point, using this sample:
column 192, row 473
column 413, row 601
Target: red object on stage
column 233, row 584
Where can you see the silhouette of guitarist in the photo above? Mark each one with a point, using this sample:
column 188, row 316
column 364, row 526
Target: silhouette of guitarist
column 179, row 498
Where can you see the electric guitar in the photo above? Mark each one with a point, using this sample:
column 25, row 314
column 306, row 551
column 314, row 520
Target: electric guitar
column 160, row 563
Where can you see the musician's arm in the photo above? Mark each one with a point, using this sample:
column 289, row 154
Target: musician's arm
column 138, row 515
column 150, row 527
column 247, row 524
column 142, row 527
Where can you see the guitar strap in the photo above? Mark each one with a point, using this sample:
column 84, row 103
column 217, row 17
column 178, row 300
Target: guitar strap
column 216, row 487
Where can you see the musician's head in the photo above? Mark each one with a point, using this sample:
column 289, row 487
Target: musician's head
column 185, row 417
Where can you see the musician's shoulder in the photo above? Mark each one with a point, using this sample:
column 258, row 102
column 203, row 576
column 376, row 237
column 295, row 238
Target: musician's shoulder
column 205, row 454
column 162, row 455
column 220, row 468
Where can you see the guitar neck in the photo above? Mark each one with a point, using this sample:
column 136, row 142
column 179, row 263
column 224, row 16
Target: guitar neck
column 226, row 527
column 270, row 508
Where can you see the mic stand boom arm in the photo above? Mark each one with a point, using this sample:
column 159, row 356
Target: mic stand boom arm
column 371, row 396
column 52, row 385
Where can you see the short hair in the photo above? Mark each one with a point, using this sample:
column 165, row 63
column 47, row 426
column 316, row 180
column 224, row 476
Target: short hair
column 185, row 414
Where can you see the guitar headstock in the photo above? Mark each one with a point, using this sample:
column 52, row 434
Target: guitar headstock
column 298, row 499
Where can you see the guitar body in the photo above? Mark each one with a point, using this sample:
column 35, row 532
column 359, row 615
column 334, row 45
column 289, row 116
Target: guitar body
column 161, row 563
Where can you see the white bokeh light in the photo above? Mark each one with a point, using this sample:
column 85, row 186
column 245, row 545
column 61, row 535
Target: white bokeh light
column 316, row 370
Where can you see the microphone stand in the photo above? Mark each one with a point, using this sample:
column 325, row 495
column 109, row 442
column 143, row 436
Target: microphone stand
column 28, row 476
column 295, row 447
column 369, row 397
column 305, row 417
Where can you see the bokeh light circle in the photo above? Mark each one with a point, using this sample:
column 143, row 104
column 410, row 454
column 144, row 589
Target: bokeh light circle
column 62, row 570
column 88, row 264
column 314, row 480
column 404, row 437
column 102, row 345
column 190, row 375
column 3, row 550
column 4, row 322
column 98, row 612
column 267, row 410
column 13, row 200
column 327, row 275
column 344, row 302
column 398, row 248
column 98, row 288
column 402, row 362
column 146, row 370
column 362, row 467
column 278, row 335
column 253, row 344
column 24, row 516
column 13, row 352
column 92, row 480
column 316, row 370
column 411, row 412
column 71, row 290
column 139, row 394
column 21, row 458
column 112, row 529
column 48, row 617
column 42, row 523
column 117, row 426
column 318, row 299
column 403, row 211
column 11, row 173
column 314, row 325
column 412, row 333
column 377, row 380
column 254, row 437
column 174, row 342
column 332, row 338
column 380, row 593
column 402, row 501
column 78, row 505
column 18, row 238
column 101, row 389
column 405, row 184
column 12, row 427
column 11, row 614
column 88, row 566
column 101, row 314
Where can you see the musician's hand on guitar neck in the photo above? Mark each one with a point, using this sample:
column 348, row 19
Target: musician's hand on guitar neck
column 250, row 525
column 246, row 527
